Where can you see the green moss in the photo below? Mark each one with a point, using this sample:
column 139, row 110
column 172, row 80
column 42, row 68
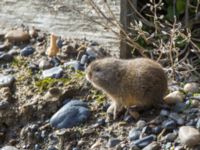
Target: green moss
column 98, row 96
column 19, row 62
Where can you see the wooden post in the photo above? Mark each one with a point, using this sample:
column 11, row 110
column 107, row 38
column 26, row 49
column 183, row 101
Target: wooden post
column 125, row 18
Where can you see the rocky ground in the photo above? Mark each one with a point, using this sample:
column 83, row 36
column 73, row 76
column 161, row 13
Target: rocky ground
column 46, row 103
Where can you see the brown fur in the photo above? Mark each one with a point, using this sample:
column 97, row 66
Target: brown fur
column 135, row 82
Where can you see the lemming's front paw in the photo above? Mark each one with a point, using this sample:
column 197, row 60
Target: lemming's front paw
column 114, row 110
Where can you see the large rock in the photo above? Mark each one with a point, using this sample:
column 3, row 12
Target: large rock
column 71, row 114
column 189, row 136
column 6, row 80
column 17, row 36
column 174, row 97
column 191, row 87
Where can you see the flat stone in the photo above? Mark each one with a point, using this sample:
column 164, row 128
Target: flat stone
column 6, row 80
column 141, row 143
column 53, row 72
column 169, row 124
column 191, row 87
column 189, row 136
column 9, row 148
column 17, row 36
column 71, row 114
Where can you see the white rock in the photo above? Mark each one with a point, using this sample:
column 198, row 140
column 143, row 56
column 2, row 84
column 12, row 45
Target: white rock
column 189, row 136
column 191, row 87
column 174, row 97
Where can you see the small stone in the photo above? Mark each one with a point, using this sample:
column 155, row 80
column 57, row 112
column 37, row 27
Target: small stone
column 195, row 103
column 156, row 130
column 169, row 124
column 6, row 58
column 191, row 87
column 198, row 124
column 179, row 148
column 113, row 142
column 170, row 137
column 27, row 51
column 52, row 148
column 17, row 36
column 152, row 146
column 141, row 124
column 84, row 60
column 45, row 64
column 9, row 148
column 164, row 112
column 4, row 104
column 174, row 97
column 179, row 107
column 75, row 65
column 6, row 80
column 134, row 134
column 90, row 51
column 189, row 136
column 179, row 120
column 141, row 143
column 71, row 114
column 54, row 72
column 55, row 61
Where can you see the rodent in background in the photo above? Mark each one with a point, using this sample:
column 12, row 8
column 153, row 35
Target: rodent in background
column 139, row 82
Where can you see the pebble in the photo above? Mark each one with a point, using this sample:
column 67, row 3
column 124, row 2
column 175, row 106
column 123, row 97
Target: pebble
column 141, row 124
column 174, row 97
column 170, row 137
column 189, row 136
column 28, row 50
column 71, row 114
column 84, row 60
column 4, row 104
column 179, row 120
column 164, row 112
column 17, row 36
column 45, row 64
column 169, row 124
column 9, row 148
column 141, row 143
column 6, row 80
column 113, row 142
column 198, row 124
column 152, row 146
column 134, row 134
column 54, row 72
column 6, row 58
column 75, row 65
column 191, row 87
column 90, row 51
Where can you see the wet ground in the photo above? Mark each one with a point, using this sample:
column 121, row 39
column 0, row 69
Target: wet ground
column 58, row 17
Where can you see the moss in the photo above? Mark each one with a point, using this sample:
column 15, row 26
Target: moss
column 98, row 96
column 19, row 62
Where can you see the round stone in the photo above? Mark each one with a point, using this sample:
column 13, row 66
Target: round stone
column 191, row 87
column 189, row 136
column 174, row 97
column 27, row 51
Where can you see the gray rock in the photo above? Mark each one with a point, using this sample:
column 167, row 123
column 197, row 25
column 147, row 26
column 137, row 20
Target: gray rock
column 134, row 134
column 198, row 124
column 27, row 51
column 6, row 80
column 53, row 72
column 189, row 136
column 45, row 64
column 179, row 120
column 170, row 137
column 71, row 114
column 152, row 146
column 9, row 148
column 4, row 104
column 113, row 142
column 75, row 65
column 169, row 124
column 164, row 112
column 84, row 60
column 141, row 124
column 6, row 58
column 141, row 143
column 90, row 51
